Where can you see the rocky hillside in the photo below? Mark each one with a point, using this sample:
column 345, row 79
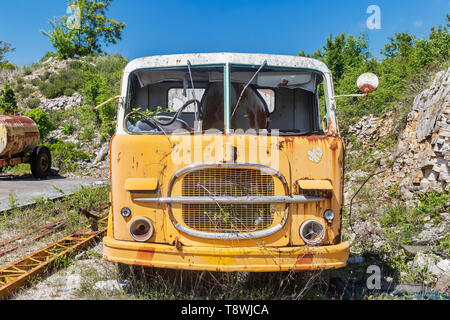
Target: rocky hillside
column 401, row 215
column 66, row 91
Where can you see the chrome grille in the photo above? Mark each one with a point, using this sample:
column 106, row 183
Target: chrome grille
column 228, row 182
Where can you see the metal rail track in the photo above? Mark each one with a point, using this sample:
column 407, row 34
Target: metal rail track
column 19, row 273
column 46, row 230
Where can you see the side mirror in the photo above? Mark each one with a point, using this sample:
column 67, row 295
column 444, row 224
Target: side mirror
column 367, row 82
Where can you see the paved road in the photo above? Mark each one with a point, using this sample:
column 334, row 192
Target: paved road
column 27, row 188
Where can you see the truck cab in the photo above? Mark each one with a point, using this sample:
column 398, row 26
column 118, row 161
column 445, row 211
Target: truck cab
column 227, row 162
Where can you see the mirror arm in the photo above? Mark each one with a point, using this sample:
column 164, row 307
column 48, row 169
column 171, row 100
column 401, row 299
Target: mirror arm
column 365, row 95
column 107, row 101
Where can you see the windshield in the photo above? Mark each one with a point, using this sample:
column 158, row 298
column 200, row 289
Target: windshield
column 191, row 98
column 165, row 100
column 283, row 100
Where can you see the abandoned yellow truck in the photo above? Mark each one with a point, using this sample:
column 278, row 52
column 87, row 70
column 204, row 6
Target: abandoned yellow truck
column 227, row 162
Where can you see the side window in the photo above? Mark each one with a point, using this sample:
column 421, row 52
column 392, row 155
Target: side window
column 176, row 98
column 269, row 97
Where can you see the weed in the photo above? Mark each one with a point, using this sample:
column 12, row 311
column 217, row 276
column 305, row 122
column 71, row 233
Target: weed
column 12, row 198
column 68, row 128
column 62, row 262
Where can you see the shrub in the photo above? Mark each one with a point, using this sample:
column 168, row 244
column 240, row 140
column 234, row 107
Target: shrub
column 45, row 76
column 98, row 89
column 69, row 92
column 87, row 133
column 27, row 71
column 66, row 81
column 107, row 114
column 33, row 102
column 66, row 154
column 42, row 120
column 36, row 82
column 68, row 128
column 25, row 93
column 8, row 102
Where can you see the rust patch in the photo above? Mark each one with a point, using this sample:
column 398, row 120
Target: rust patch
column 177, row 244
column 367, row 87
column 304, row 261
column 333, row 145
column 288, row 142
column 145, row 255
column 316, row 138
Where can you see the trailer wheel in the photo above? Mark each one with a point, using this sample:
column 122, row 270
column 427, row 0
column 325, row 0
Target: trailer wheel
column 41, row 162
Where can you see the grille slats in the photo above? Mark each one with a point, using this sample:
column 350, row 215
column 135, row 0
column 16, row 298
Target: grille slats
column 227, row 218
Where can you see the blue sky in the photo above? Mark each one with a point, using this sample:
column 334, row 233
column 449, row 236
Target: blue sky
column 276, row 27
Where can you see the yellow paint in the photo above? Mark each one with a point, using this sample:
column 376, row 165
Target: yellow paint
column 254, row 259
column 142, row 162
column 141, row 184
column 315, row 184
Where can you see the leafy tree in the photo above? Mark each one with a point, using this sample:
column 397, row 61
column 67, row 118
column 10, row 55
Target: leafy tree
column 341, row 53
column 96, row 91
column 400, row 45
column 405, row 60
column 62, row 38
column 4, row 49
column 8, row 102
column 94, row 29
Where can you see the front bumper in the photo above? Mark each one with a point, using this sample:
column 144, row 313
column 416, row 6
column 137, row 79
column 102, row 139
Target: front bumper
column 251, row 259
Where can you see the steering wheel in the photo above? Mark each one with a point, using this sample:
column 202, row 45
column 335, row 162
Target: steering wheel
column 161, row 117
column 153, row 122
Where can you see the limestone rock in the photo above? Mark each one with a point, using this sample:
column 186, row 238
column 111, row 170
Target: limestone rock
column 103, row 152
column 112, row 285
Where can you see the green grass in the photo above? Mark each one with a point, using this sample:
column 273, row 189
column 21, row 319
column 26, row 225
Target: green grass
column 88, row 198
column 402, row 225
column 19, row 170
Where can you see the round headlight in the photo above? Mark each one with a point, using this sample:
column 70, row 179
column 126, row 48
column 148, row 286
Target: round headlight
column 141, row 229
column 312, row 232
column 329, row 216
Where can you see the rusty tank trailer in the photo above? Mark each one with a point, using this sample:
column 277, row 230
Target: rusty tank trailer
column 19, row 138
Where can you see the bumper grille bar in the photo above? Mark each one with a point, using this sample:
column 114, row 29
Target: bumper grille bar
column 231, row 200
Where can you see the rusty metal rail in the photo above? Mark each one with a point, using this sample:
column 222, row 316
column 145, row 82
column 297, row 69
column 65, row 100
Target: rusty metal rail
column 49, row 229
column 19, row 273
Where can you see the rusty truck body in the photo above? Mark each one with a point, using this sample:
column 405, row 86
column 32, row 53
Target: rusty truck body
column 227, row 162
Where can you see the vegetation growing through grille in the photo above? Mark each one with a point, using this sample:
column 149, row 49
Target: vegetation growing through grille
column 227, row 218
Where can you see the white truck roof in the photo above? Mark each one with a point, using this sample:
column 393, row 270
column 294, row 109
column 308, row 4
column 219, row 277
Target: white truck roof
column 226, row 57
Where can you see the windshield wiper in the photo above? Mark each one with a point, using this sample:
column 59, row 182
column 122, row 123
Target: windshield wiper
column 248, row 83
